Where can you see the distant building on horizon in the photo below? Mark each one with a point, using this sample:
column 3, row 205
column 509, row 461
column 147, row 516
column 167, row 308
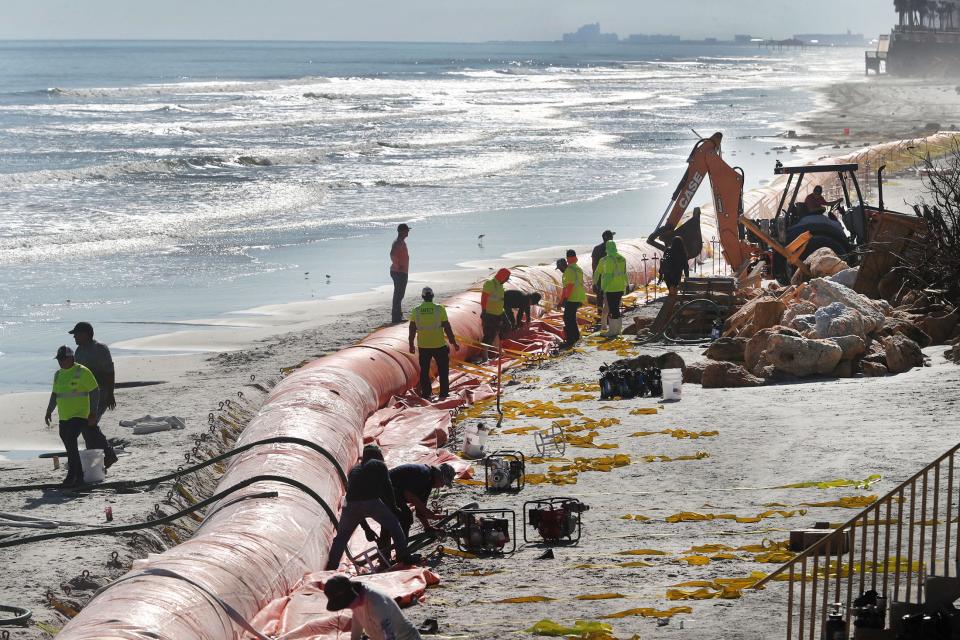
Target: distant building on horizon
column 590, row 34
column 742, row 38
column 832, row 39
column 643, row 38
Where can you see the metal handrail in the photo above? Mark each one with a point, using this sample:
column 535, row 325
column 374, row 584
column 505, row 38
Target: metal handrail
column 855, row 552
column 839, row 531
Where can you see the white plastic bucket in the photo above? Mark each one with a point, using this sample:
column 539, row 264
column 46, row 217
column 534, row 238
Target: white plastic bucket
column 93, row 469
column 672, row 380
column 474, row 438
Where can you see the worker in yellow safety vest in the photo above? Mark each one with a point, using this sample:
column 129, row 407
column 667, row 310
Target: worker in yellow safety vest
column 574, row 294
column 612, row 271
column 76, row 397
column 428, row 324
column 492, row 317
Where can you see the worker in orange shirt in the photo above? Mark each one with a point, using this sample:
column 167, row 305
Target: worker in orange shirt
column 399, row 271
column 492, row 314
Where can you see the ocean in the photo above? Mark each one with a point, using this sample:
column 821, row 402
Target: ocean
column 145, row 184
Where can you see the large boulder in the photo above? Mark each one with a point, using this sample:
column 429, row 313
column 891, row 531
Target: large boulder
column 824, row 262
column 837, row 319
column 693, row 372
column 939, row 328
column 801, row 308
column 729, row 349
column 800, row 356
column 720, row 375
column 903, row 353
column 897, row 326
column 873, row 370
column 823, row 292
column 804, row 324
column 852, row 346
column 847, row 277
column 669, row 360
column 757, row 344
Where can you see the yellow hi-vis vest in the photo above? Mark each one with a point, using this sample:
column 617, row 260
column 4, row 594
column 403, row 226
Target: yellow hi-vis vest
column 574, row 275
column 72, row 387
column 613, row 269
column 429, row 318
column 494, row 289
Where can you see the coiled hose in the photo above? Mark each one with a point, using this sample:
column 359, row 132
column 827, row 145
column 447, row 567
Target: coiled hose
column 121, row 485
column 183, row 512
column 665, row 335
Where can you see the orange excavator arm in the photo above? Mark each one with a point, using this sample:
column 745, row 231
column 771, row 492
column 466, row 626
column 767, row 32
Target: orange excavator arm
column 727, row 185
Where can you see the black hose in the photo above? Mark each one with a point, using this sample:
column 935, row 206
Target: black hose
column 21, row 616
column 179, row 514
column 129, row 484
column 673, row 318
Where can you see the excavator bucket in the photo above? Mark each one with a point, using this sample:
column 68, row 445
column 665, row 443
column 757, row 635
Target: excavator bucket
column 690, row 232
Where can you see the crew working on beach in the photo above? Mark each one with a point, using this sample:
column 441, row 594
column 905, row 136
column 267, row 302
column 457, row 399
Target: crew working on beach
column 399, row 271
column 369, row 495
column 96, row 357
column 516, row 305
column 612, row 272
column 428, row 324
column 492, row 314
column 375, row 614
column 596, row 256
column 573, row 296
column 75, row 396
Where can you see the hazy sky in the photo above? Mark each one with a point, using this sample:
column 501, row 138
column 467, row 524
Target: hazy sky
column 432, row 20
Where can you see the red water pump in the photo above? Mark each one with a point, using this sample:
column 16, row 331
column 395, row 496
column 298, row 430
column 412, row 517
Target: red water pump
column 486, row 531
column 556, row 520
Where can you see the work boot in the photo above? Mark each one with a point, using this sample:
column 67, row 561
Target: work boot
column 616, row 326
column 604, row 319
column 109, row 458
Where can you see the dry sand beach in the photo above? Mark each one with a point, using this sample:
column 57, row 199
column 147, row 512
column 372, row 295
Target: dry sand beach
column 766, row 438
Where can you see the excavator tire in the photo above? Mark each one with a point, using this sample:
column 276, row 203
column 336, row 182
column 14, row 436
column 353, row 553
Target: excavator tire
column 825, row 234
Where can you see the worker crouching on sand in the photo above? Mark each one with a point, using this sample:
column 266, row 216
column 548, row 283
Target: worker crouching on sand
column 375, row 614
column 492, row 311
column 428, row 324
column 612, row 271
column 516, row 306
column 574, row 294
column 369, row 495
column 412, row 484
column 75, row 396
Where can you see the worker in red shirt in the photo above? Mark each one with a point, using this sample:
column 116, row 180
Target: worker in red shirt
column 399, row 271
column 817, row 204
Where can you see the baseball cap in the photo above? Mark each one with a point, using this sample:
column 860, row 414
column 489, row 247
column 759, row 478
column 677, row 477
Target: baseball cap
column 561, row 264
column 340, row 593
column 82, row 327
column 427, row 293
column 608, row 235
column 403, row 226
column 63, row 352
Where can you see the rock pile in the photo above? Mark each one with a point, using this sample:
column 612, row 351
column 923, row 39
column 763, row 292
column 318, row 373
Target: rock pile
column 825, row 328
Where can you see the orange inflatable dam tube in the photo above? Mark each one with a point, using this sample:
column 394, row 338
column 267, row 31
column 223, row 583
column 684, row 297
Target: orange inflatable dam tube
column 252, row 549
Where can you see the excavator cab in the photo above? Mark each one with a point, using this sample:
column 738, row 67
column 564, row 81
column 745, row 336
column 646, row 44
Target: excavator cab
column 843, row 232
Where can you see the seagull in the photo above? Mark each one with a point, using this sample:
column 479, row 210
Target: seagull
column 328, row 278
column 480, row 239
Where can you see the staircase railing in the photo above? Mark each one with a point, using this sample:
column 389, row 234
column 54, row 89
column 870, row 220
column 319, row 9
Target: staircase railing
column 890, row 547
